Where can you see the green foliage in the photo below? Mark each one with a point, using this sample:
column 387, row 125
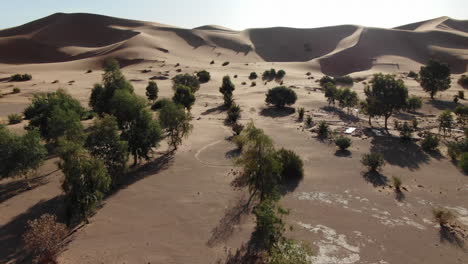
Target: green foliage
column 46, row 111
column 270, row 226
column 413, row 103
column 435, row 77
column 406, row 132
column 373, row 161
column 86, row 179
column 281, row 96
column 152, row 91
column 15, row 119
column 176, row 123
column 104, row 143
column 300, row 113
column 237, row 128
column 290, row 252
column 143, row 135
column 183, row 95
column 463, row 162
column 463, row 81
column 461, row 112
column 233, row 114
column 331, row 92
column 385, row 96
column 203, row 76
column 443, row 216
column 430, row 142
column 280, row 74
column 326, row 79
column 323, row 130
column 292, row 166
column 344, row 80
column 20, row 77
column 253, row 76
column 187, row 80
column 461, row 94
column 455, row 149
column 412, row 74
column 343, row 142
column 16, row 90
column 396, row 182
column 20, row 155
column 269, row 74
column 126, row 106
column 64, row 122
column 226, row 89
column 446, row 121
column 160, row 104
column 309, row 122
column 225, row 63
column 347, row 98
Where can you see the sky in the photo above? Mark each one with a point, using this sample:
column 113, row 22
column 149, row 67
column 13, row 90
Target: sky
column 241, row 14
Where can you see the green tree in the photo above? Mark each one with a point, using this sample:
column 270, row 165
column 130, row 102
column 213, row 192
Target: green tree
column 226, row 89
column 186, row 80
column 461, row 112
column 292, row 166
column 143, row 135
column 413, row 103
column 64, row 122
column 203, row 76
column 331, row 92
column 435, row 77
column 373, row 161
column 126, row 106
column 385, row 96
column 281, row 96
column 233, row 113
column 270, row 226
column 445, row 121
column 176, row 123
column 326, row 79
column 280, row 74
column 152, row 91
column 183, row 95
column 104, row 142
column 347, row 98
column 20, row 155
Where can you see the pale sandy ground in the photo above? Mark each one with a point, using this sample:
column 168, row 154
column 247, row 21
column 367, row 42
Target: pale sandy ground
column 181, row 209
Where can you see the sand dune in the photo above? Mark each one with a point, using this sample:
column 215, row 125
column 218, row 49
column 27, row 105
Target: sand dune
column 338, row 49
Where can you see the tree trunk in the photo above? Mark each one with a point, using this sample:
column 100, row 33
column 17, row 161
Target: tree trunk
column 135, row 159
column 370, row 122
column 386, row 119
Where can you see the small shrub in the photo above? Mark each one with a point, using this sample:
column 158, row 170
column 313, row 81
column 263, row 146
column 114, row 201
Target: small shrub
column 373, row 161
column 344, row 80
column 20, row 77
column 203, row 76
column 237, row 128
column 461, row 94
column 309, row 121
column 240, row 141
column 43, row 238
column 235, row 76
column 396, row 182
column 269, row 74
column 415, row 123
column 442, row 216
column 160, row 104
column 463, row 162
column 225, row 63
column 16, row 90
column 281, row 96
column 253, row 84
column 413, row 103
column 326, row 79
column 292, row 165
column 343, row 142
column 89, row 71
column 406, row 132
column 300, row 113
column 253, row 76
column 430, row 142
column 212, row 62
column 243, row 83
column 233, row 113
column 280, row 74
column 413, row 74
column 323, row 129
column 463, row 81
column 15, row 119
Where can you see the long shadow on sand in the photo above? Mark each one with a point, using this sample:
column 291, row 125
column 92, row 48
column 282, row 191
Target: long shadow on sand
column 11, row 233
column 376, row 178
column 277, row 112
column 215, row 110
column 11, row 189
column 402, row 154
column 345, row 117
column 451, row 236
column 443, row 105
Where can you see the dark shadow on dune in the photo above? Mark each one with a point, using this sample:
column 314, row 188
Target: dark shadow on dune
column 233, row 153
column 214, row 110
column 376, row 178
column 395, row 152
column 341, row 114
column 12, row 246
column 442, row 105
column 290, row 185
column 343, row 153
column 11, row 189
column 399, row 195
column 435, row 154
column 187, row 35
column 277, row 112
column 232, row 217
column 449, row 235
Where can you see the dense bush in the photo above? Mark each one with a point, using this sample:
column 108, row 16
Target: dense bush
column 186, row 80
column 269, row 74
column 413, row 103
column 323, row 129
column 281, row 96
column 343, row 142
column 373, row 161
column 412, row 74
column 461, row 112
column 20, row 77
column 347, row 98
column 443, row 216
column 326, row 79
column 463, row 162
column 233, row 114
column 176, row 122
column 152, row 91
column 300, row 114
column 430, row 142
column 226, row 89
column 43, row 238
column 160, row 104
column 331, row 92
column 280, row 74
column 15, row 119
column 344, row 80
column 292, row 166
column 237, row 128
column 16, row 90
column 445, row 121
column 126, row 106
column 183, row 95
column 203, row 76
column 463, row 81
column 253, row 76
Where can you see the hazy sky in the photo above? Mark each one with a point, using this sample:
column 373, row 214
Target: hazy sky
column 241, row 14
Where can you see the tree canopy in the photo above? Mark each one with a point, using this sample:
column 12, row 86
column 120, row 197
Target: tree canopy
column 226, row 89
column 183, row 95
column 176, row 123
column 435, row 77
column 186, row 80
column 281, row 96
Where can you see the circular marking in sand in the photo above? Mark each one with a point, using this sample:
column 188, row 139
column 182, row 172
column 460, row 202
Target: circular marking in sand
column 213, row 158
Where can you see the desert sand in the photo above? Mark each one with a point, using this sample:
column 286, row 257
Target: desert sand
column 181, row 208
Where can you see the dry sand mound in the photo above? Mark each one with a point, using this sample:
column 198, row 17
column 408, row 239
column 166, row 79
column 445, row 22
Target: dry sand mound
column 338, row 49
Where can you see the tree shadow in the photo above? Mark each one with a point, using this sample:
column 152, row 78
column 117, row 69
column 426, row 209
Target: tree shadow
column 232, row 217
column 443, row 105
column 435, row 154
column 233, row 153
column 289, row 185
column 395, row 152
column 341, row 114
column 277, row 112
column 375, row 178
column 11, row 233
column 11, row 189
column 450, row 235
column 399, row 195
column 216, row 110
column 246, row 254
column 342, row 153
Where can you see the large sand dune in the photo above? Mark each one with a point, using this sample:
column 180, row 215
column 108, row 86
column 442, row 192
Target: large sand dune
column 337, row 49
